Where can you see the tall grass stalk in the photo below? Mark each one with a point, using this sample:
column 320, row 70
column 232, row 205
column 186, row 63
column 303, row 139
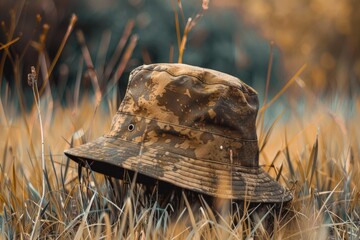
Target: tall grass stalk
column 189, row 25
column 283, row 89
column 60, row 49
column 32, row 80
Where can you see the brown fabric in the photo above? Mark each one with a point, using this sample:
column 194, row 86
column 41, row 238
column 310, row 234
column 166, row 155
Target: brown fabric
column 191, row 127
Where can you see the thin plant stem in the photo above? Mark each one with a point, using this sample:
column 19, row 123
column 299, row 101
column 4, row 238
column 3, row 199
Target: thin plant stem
column 287, row 85
column 33, row 80
column 268, row 75
column 67, row 34
column 7, row 45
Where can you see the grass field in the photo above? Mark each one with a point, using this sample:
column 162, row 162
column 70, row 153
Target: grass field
column 311, row 147
column 309, row 144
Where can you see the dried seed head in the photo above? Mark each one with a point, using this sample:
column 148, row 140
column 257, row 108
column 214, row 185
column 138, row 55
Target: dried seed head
column 205, row 4
column 32, row 77
column 38, row 18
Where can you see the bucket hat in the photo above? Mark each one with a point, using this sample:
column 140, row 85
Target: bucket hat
column 188, row 126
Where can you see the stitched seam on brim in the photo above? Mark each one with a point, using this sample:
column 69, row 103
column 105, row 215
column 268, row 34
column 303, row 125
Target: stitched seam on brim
column 181, row 155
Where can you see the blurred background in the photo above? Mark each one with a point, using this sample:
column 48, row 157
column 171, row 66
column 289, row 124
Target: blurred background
column 236, row 37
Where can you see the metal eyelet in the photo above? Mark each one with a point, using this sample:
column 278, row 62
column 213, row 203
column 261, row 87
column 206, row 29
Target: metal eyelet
column 131, row 127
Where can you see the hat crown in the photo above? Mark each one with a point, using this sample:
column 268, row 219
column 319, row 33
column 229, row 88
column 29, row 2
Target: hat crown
column 196, row 112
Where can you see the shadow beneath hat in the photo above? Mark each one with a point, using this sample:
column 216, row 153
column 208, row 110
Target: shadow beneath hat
column 178, row 203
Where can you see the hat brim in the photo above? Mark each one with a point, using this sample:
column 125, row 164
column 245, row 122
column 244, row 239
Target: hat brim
column 110, row 156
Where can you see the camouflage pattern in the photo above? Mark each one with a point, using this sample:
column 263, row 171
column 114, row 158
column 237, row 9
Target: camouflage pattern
column 189, row 126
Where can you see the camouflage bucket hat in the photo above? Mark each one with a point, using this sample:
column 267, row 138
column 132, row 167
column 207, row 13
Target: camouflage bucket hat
column 188, row 126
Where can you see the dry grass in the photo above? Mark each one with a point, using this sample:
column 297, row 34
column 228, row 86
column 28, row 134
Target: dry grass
column 309, row 145
column 314, row 152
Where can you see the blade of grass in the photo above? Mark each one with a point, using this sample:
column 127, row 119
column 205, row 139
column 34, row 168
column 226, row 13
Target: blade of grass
column 268, row 74
column 261, row 116
column 3, row 118
column 264, row 140
column 32, row 78
column 278, row 153
column 83, row 221
column 108, row 234
column 101, row 55
column 278, row 175
column 177, row 24
column 327, row 199
column 119, row 48
column 77, row 84
column 259, row 223
column 171, row 54
column 90, row 66
column 192, row 217
column 150, row 222
column 125, row 59
column 58, row 53
column 313, row 160
column 67, row 164
column 287, row 85
column 54, row 170
column 8, row 44
column 177, row 223
column 288, row 158
column 4, row 157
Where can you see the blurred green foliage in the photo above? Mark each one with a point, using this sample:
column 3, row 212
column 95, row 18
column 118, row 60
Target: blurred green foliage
column 219, row 41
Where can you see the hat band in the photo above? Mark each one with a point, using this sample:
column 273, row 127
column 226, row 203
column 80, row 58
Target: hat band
column 184, row 140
